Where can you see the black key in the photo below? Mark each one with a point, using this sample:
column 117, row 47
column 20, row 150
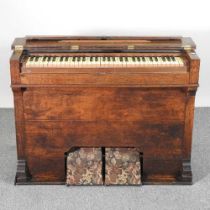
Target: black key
column 66, row 58
column 113, row 58
column 143, row 58
column 74, row 58
column 96, row 58
column 78, row 59
column 54, row 58
column 121, row 59
column 109, row 59
column 36, row 59
column 83, row 58
column 126, row 59
column 156, row 59
column 48, row 59
column 104, row 58
column 164, row 59
column 138, row 59
column 150, row 58
column 133, row 59
column 91, row 59
column 168, row 58
column 61, row 59
column 173, row 59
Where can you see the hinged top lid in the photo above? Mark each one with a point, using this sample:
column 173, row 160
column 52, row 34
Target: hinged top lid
column 102, row 44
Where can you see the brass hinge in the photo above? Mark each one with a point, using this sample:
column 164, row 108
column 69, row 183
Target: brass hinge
column 187, row 47
column 74, row 47
column 18, row 48
column 131, row 47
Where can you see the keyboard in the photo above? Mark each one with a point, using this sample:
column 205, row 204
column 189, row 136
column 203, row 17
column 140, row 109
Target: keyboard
column 102, row 62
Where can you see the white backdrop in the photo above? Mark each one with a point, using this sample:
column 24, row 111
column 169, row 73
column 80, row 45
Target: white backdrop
column 111, row 17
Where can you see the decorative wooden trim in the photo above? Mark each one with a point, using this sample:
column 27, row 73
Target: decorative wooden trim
column 15, row 67
column 194, row 67
column 19, row 122
column 186, row 171
column 191, row 91
column 22, row 174
column 189, row 120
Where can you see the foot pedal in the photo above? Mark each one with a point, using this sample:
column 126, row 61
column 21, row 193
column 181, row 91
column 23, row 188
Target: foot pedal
column 122, row 166
column 84, row 167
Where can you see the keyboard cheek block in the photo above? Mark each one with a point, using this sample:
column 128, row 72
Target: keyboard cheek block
column 104, row 110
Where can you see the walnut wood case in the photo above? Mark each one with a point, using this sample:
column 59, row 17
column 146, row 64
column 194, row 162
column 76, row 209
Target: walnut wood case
column 150, row 109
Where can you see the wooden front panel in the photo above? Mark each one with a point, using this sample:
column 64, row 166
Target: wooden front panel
column 57, row 119
column 46, row 143
column 109, row 104
column 156, row 139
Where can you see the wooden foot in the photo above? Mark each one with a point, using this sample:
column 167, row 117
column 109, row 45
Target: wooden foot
column 186, row 172
column 22, row 174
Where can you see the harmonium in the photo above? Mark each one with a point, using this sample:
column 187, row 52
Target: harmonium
column 104, row 110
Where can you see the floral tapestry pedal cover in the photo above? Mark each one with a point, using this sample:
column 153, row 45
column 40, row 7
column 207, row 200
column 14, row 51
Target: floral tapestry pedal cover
column 84, row 167
column 122, row 166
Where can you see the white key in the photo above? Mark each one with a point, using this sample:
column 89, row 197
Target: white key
column 170, row 62
column 176, row 63
column 180, row 60
column 61, row 63
column 147, row 61
column 109, row 62
column 33, row 62
column 82, row 62
column 103, row 62
column 106, row 62
column 93, row 62
column 134, row 61
column 57, row 62
column 78, row 61
column 44, row 63
column 49, row 63
column 118, row 63
column 70, row 63
column 87, row 62
column 97, row 62
column 141, row 63
column 155, row 63
column 160, row 61
column 123, row 63
column 173, row 62
column 138, row 62
column 129, row 62
column 29, row 62
column 37, row 62
column 74, row 62
column 151, row 61
column 54, row 62
column 65, row 59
